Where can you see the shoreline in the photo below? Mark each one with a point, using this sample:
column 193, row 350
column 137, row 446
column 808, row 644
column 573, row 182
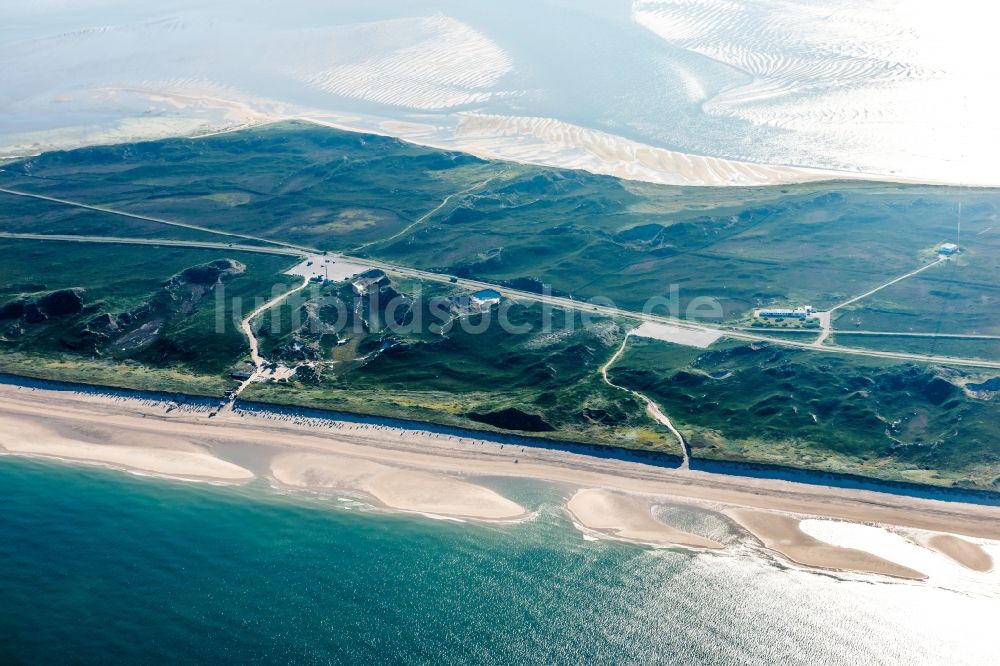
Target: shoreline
column 782, row 534
column 394, row 488
column 630, row 518
column 436, row 474
column 581, row 158
column 120, row 467
column 720, row 468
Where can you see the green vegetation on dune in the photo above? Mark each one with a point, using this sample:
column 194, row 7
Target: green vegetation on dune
column 155, row 306
column 580, row 233
column 959, row 296
column 25, row 215
column 150, row 319
column 463, row 369
column 768, row 404
column 67, row 367
column 294, row 182
column 147, row 317
column 592, row 236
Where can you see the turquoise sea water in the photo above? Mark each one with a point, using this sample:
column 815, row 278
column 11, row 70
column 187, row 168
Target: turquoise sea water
column 98, row 566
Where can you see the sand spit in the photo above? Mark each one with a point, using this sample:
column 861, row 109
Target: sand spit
column 781, row 534
column 395, row 487
column 254, row 439
column 556, row 143
column 968, row 554
column 112, row 446
column 629, row 518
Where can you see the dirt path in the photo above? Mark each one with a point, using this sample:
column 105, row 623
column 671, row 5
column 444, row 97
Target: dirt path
column 432, row 211
column 255, row 357
column 887, row 284
column 826, row 318
column 652, row 409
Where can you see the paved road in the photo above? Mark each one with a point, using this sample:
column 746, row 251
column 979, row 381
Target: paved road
column 155, row 242
column 516, row 294
column 149, row 218
column 570, row 304
column 891, row 334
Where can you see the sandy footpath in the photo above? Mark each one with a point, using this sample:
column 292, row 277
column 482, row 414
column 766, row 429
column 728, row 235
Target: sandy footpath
column 435, row 473
column 394, row 487
column 782, row 534
column 629, row 518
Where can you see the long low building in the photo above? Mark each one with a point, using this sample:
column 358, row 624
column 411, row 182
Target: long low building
column 787, row 313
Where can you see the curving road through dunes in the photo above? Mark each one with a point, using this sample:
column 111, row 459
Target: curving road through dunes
column 517, row 294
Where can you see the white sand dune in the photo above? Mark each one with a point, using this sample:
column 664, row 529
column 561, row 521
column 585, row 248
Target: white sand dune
column 455, row 456
column 425, row 471
column 784, row 534
column 970, row 555
column 923, row 553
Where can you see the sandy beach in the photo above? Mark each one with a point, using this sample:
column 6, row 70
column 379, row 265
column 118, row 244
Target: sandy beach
column 95, row 444
column 782, row 534
column 424, row 471
column 556, row 143
column 629, row 518
column 394, row 487
column 968, row 554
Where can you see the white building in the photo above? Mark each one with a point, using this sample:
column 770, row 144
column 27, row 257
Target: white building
column 803, row 312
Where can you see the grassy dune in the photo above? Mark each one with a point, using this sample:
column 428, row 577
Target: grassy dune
column 579, row 234
column 194, row 324
column 476, row 373
column 767, row 404
column 583, row 234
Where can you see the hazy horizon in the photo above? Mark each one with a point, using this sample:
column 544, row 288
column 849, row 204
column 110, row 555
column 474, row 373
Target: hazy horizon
column 890, row 90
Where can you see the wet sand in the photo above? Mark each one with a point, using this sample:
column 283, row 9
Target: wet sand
column 435, row 472
column 968, row 554
column 629, row 518
column 394, row 487
column 781, row 533
column 117, row 447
